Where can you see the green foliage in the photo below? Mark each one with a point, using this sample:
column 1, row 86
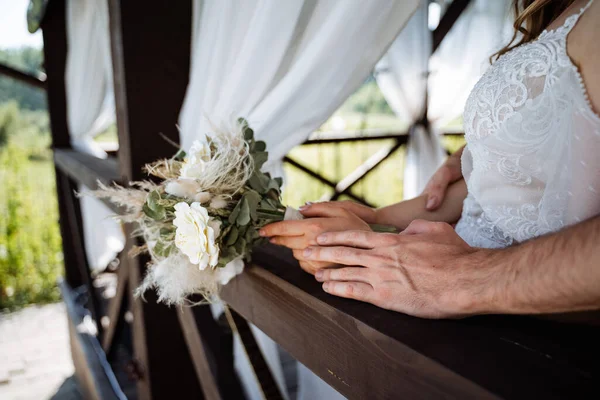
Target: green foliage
column 26, row 59
column 367, row 99
column 30, row 246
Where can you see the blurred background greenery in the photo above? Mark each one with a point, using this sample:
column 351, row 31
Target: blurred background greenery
column 30, row 245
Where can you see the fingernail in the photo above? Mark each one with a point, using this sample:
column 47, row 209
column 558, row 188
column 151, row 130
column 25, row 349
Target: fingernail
column 307, row 252
column 309, row 203
column 322, row 239
column 262, row 233
column 319, row 275
column 431, row 202
column 326, row 286
column 302, row 208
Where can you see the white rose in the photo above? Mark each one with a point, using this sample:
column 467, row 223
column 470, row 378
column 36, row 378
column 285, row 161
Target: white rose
column 195, row 160
column 229, row 271
column 194, row 235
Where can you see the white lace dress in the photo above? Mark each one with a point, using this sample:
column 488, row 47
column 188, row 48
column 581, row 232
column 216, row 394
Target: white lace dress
column 532, row 161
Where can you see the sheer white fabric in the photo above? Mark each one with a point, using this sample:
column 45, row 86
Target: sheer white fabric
column 285, row 66
column 90, row 109
column 453, row 69
column 531, row 162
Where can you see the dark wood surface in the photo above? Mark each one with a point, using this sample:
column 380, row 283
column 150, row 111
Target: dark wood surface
column 94, row 374
column 151, row 57
column 366, row 352
column 451, row 15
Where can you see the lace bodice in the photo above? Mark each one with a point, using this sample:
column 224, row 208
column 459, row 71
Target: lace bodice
column 532, row 161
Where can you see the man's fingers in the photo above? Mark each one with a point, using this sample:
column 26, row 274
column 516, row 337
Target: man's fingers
column 284, row 228
column 361, row 239
column 351, row 290
column 293, row 242
column 355, row 274
column 340, row 255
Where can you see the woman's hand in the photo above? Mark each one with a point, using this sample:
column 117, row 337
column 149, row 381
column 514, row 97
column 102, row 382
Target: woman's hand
column 449, row 172
column 298, row 235
column 426, row 271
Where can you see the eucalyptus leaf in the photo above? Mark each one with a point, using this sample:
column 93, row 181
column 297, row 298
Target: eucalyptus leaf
column 234, row 214
column 253, row 199
column 259, row 145
column 232, row 236
column 279, row 181
column 240, row 246
column 162, row 249
column 155, row 214
column 260, row 158
column 244, row 215
column 257, row 183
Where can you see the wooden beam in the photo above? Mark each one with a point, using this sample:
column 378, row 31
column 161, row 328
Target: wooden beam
column 344, row 186
column 320, row 178
column 193, row 338
column 94, row 374
column 366, row 352
column 451, row 15
column 38, row 81
column 115, row 309
column 151, row 57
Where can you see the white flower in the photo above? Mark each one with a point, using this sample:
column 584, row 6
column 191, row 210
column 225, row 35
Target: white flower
column 195, row 160
column 218, row 202
column 194, row 235
column 182, row 188
column 233, row 268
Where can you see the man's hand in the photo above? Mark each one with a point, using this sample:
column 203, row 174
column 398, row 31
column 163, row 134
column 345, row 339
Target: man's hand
column 298, row 235
column 426, row 271
column 449, row 172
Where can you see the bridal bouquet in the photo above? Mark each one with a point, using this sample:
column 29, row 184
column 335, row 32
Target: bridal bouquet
column 200, row 216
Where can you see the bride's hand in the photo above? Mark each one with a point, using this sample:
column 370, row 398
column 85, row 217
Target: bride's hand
column 426, row 271
column 298, row 235
column 449, row 172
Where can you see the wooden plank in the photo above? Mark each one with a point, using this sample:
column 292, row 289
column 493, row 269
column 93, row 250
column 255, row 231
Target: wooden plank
column 94, row 374
column 193, row 338
column 115, row 309
column 87, row 169
column 38, row 81
column 366, row 352
column 151, row 56
column 452, row 13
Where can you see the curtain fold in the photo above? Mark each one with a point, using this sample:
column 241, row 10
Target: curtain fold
column 285, row 66
column 408, row 75
column 90, row 109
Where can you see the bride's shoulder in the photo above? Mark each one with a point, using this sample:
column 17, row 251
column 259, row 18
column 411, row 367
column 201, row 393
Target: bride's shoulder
column 582, row 46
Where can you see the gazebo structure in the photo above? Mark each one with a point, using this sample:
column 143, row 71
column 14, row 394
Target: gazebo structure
column 126, row 347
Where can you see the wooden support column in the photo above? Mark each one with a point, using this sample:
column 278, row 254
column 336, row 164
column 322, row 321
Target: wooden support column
column 150, row 43
column 77, row 271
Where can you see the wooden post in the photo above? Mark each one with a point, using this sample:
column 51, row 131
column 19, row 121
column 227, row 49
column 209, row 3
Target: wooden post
column 150, row 43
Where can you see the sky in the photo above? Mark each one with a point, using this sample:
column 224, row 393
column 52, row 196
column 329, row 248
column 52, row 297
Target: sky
column 13, row 25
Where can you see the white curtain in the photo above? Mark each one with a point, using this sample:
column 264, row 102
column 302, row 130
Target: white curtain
column 285, row 66
column 453, row 70
column 90, row 109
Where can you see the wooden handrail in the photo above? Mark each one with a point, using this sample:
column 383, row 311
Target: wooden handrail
column 367, row 352
column 38, row 81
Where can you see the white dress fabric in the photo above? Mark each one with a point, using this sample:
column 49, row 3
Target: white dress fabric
column 409, row 75
column 90, row 109
column 532, row 162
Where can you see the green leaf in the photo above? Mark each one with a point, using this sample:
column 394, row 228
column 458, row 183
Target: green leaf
column 279, row 181
column 162, row 249
column 157, row 214
column 258, row 183
column 248, row 134
column 244, row 215
column 234, row 214
column 232, row 236
column 253, row 199
column 259, row 146
column 260, row 158
column 240, row 246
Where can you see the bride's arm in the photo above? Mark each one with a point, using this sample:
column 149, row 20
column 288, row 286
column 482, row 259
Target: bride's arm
column 403, row 213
